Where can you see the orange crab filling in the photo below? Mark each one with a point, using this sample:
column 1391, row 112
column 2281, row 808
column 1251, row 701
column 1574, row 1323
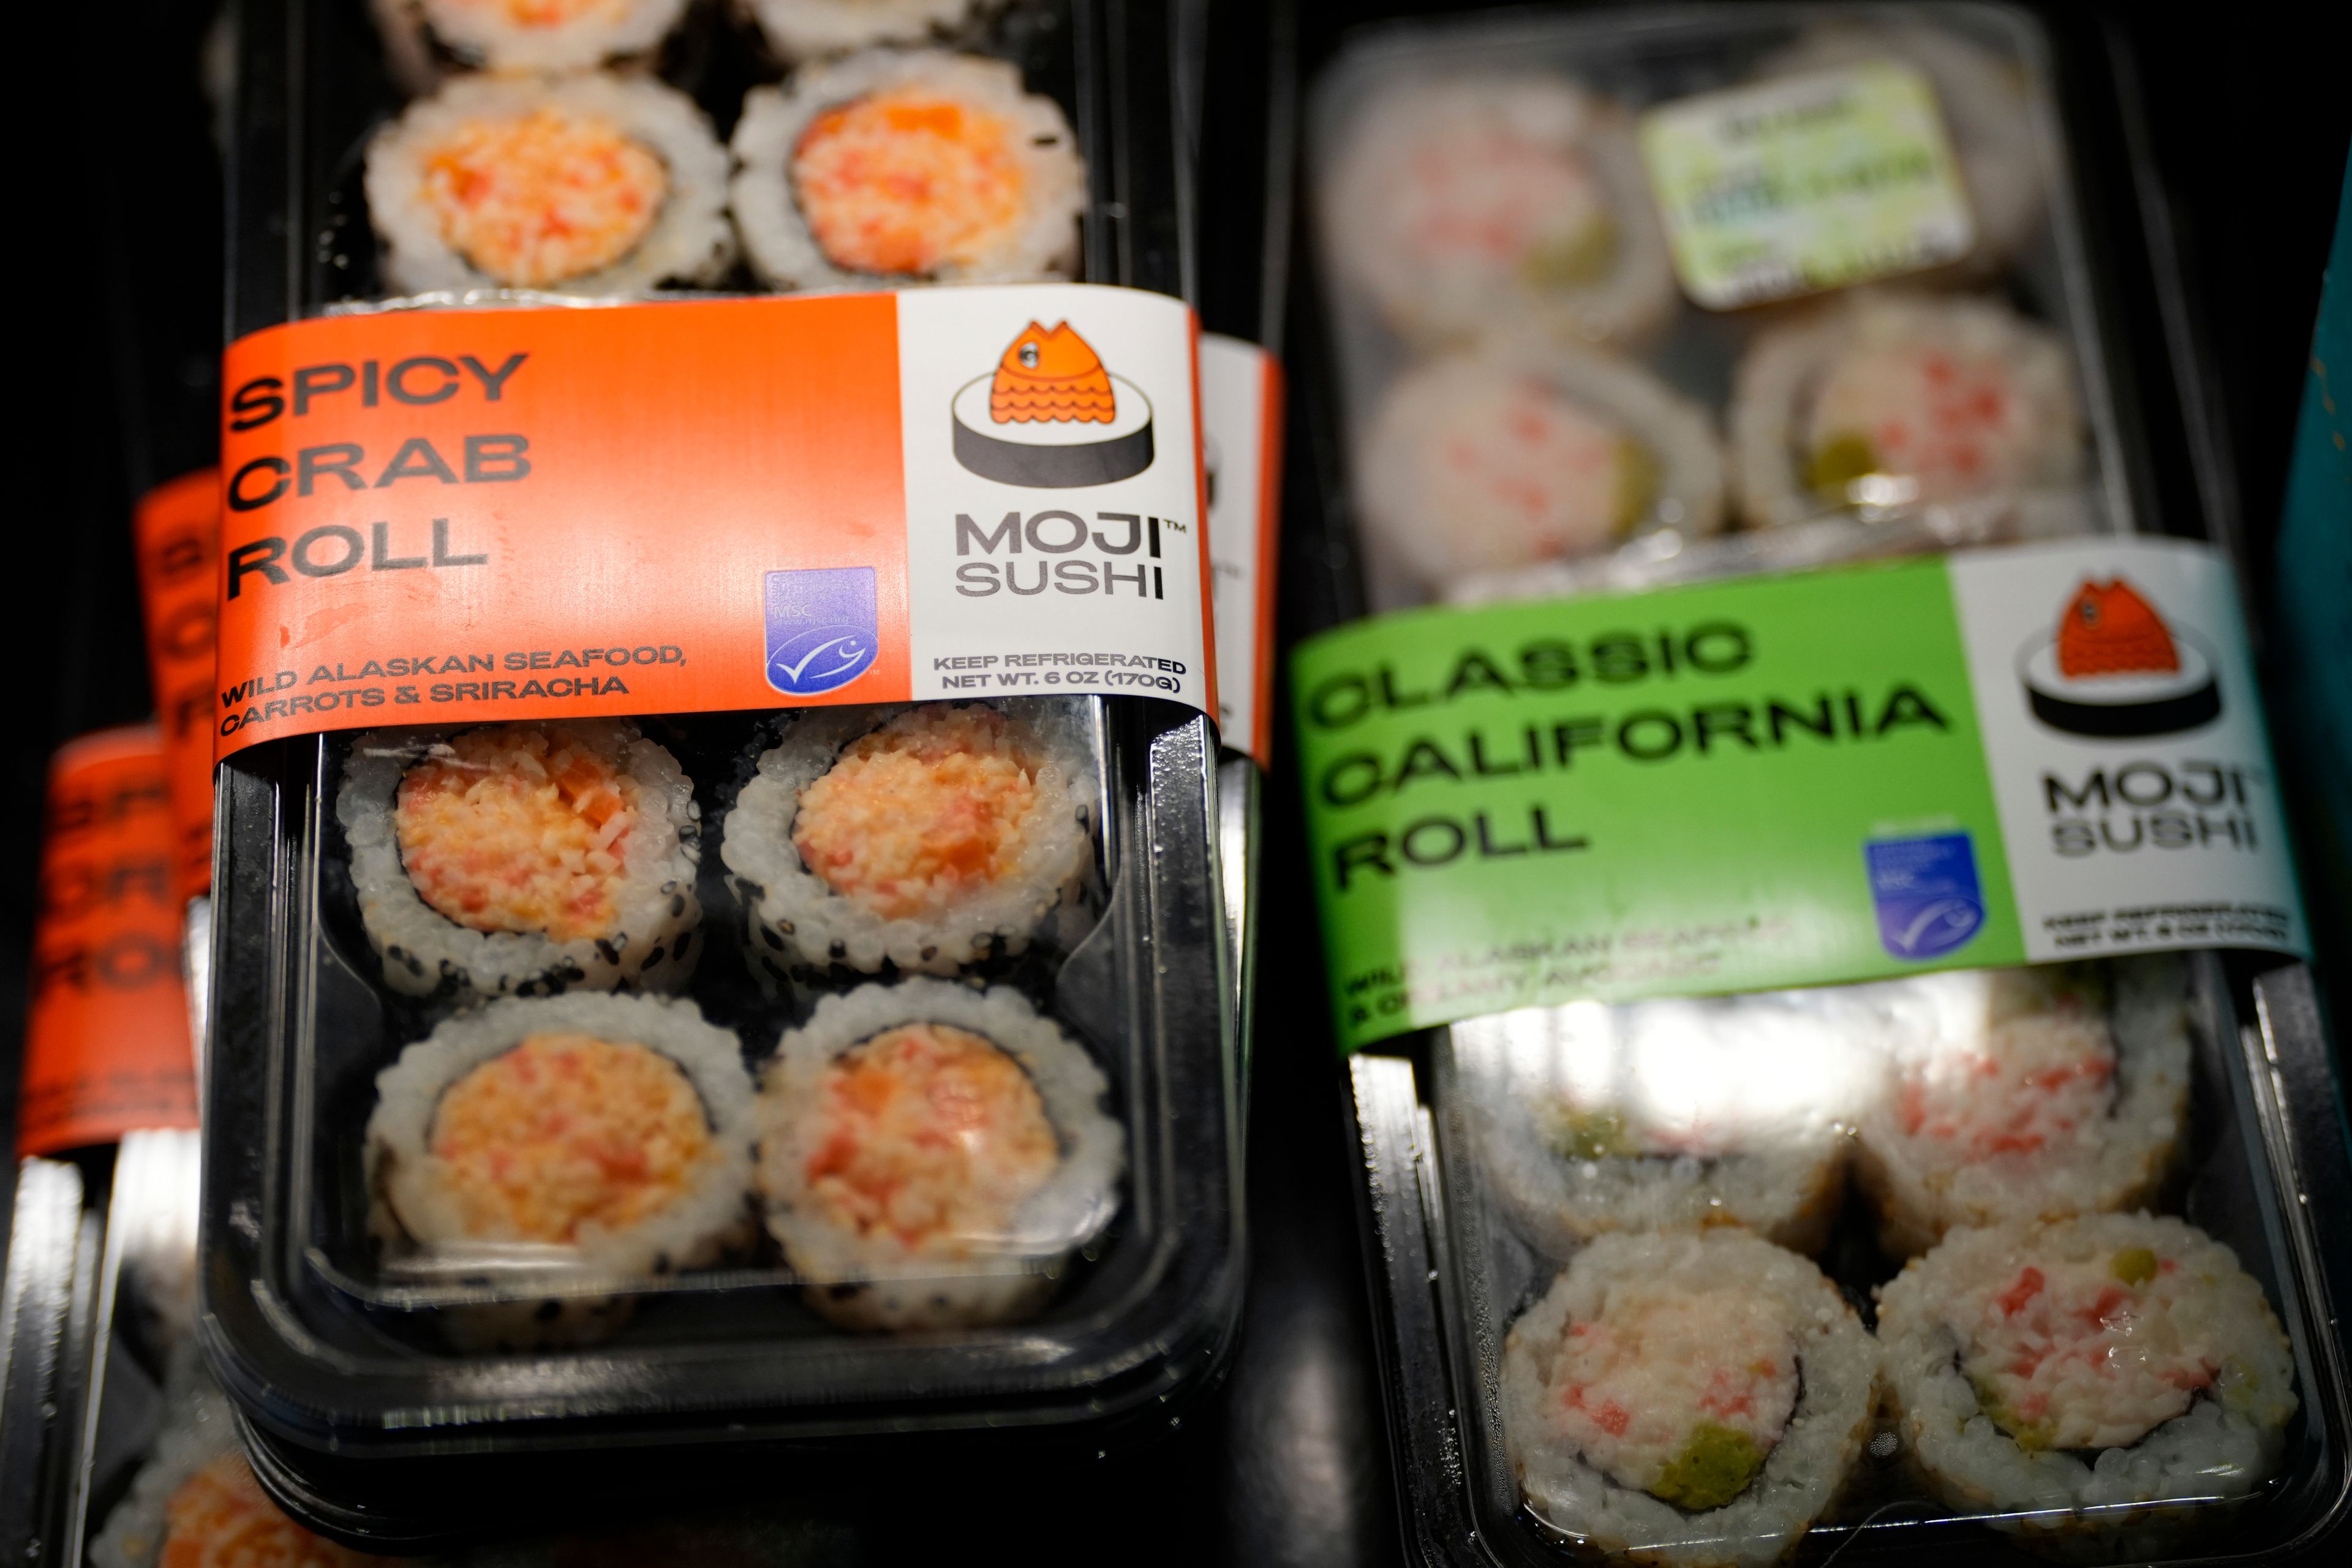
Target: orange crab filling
column 930, row 1134
column 916, row 815
column 543, row 12
column 540, row 198
column 220, row 1517
column 903, row 183
column 520, row 828
column 567, row 1135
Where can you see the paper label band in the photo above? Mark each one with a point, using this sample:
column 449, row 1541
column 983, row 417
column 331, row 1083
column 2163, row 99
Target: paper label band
column 706, row 505
column 176, row 527
column 1240, row 418
column 2011, row 756
column 106, row 1042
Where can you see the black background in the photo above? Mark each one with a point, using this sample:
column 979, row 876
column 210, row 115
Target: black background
column 114, row 333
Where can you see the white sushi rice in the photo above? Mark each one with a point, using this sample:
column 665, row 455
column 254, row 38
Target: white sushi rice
column 1987, row 111
column 1781, row 376
column 689, row 242
column 1802, row 1473
column 1672, row 1115
column 1041, row 245
column 197, row 1427
column 797, row 921
column 1441, row 525
column 508, row 35
column 878, row 1281
column 2223, row 1445
column 809, row 29
column 427, row 954
column 1370, row 212
column 691, row 1231
column 1919, row 1186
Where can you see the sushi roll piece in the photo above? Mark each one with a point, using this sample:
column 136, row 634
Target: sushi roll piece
column 931, row 1154
column 1687, row 1400
column 523, row 858
column 895, row 167
column 1988, row 113
column 1493, row 206
column 922, row 838
column 1676, row 1115
column 196, row 1504
column 589, row 184
column 812, row 29
column 2067, row 1379
column 2026, row 1094
column 583, row 1137
column 534, row 35
column 1890, row 399
column 1496, row 460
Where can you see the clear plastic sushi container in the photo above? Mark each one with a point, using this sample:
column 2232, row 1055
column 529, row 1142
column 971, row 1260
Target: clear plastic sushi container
column 1032, row 1230
column 1240, row 57
column 146, row 1389
column 1963, row 1267
column 52, row 1248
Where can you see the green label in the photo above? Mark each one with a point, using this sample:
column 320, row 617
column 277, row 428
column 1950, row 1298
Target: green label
column 1806, row 182
column 1695, row 790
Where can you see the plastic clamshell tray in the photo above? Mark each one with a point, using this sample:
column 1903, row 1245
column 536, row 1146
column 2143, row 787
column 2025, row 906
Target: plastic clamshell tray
column 366, row 1415
column 1464, row 1243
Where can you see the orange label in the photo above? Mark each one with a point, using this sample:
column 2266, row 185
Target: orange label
column 469, row 515
column 1241, row 402
column 106, row 1045
column 177, row 527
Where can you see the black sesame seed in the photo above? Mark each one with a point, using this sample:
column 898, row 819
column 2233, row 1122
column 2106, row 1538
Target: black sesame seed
column 654, row 956
column 677, row 905
column 771, row 939
column 548, row 1311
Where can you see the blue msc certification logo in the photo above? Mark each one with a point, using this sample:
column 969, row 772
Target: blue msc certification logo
column 821, row 629
column 1929, row 902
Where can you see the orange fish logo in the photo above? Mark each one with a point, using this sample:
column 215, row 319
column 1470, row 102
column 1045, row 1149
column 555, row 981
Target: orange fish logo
column 1052, row 377
column 2108, row 629
column 1053, row 416
column 2114, row 670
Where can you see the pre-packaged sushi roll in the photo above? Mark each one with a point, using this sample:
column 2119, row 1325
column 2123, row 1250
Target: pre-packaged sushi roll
column 931, row 1154
column 1988, row 112
column 533, row 35
column 1493, row 206
column 523, row 858
column 923, row 838
column 580, row 1138
column 1897, row 398
column 895, row 167
column 590, row 185
column 1663, row 1116
column 1498, row 460
column 2025, row 1094
column 811, row 29
column 2069, row 1379
column 195, row 1504
column 1687, row 1399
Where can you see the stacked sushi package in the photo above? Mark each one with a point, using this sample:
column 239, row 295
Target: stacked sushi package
column 1965, row 1263
column 599, row 1097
